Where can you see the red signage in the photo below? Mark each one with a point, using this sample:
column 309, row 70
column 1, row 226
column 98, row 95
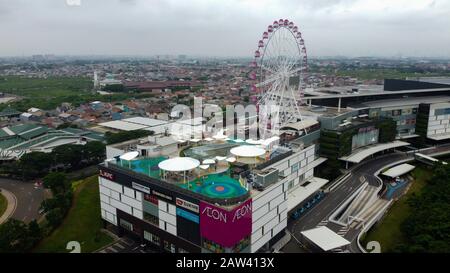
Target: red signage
column 224, row 227
column 151, row 198
column 107, row 175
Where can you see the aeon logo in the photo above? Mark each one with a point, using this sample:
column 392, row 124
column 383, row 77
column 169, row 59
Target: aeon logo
column 242, row 212
column 215, row 214
column 223, row 216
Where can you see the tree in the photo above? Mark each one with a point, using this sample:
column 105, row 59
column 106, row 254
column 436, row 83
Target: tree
column 112, row 138
column 67, row 125
column 15, row 237
column 69, row 155
column 35, row 164
column 34, row 231
column 94, row 151
column 114, row 88
column 388, row 130
column 55, row 217
column 427, row 229
column 57, row 182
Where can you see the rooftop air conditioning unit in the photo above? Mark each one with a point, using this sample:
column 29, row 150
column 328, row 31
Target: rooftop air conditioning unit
column 267, row 177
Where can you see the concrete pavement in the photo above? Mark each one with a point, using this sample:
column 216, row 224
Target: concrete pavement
column 320, row 213
column 125, row 245
column 11, row 205
column 28, row 198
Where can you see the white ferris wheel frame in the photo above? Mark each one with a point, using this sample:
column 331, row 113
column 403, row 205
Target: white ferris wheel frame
column 276, row 90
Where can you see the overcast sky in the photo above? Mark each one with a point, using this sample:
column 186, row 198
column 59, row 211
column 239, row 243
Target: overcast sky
column 223, row 27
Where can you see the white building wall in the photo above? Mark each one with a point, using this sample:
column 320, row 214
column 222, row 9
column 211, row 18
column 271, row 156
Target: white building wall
column 112, row 152
column 270, row 206
column 115, row 196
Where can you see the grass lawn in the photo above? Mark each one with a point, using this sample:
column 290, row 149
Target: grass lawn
column 3, row 204
column 44, row 88
column 83, row 222
column 388, row 233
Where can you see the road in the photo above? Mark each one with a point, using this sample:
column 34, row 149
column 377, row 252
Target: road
column 318, row 215
column 125, row 245
column 28, row 198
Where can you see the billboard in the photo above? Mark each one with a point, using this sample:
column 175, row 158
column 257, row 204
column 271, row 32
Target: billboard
column 187, row 205
column 225, row 227
column 188, row 215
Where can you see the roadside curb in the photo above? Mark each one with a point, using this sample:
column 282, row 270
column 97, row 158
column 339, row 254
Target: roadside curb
column 11, row 207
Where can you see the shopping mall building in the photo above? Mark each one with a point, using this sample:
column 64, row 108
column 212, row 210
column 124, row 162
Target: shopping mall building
column 222, row 194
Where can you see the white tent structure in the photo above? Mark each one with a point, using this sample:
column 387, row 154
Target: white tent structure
column 231, row 159
column 179, row 164
column 325, row 238
column 248, row 153
column 399, row 170
column 128, row 157
column 209, row 162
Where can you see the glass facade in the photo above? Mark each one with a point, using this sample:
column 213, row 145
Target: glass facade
column 152, row 238
column 151, row 211
column 443, row 111
column 126, row 225
column 151, row 219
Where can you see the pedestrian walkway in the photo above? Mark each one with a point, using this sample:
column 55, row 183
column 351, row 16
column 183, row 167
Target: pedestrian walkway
column 119, row 246
column 322, row 223
column 343, row 231
column 11, row 208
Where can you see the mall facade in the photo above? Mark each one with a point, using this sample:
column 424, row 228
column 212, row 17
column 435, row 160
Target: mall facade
column 231, row 202
column 239, row 205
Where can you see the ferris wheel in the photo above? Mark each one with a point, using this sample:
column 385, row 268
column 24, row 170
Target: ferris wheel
column 279, row 75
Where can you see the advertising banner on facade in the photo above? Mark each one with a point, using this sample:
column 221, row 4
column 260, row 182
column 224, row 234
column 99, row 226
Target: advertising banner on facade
column 225, row 227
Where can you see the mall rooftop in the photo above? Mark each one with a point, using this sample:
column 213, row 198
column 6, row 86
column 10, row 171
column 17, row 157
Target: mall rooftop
column 216, row 168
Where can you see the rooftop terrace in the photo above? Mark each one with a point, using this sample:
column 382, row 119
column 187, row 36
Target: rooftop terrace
column 217, row 174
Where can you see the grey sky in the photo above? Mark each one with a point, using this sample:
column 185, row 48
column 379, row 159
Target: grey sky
column 223, row 27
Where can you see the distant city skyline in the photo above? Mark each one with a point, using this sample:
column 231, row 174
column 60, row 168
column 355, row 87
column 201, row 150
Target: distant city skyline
column 232, row 28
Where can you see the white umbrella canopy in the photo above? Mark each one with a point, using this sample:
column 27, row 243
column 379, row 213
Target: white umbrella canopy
column 204, row 167
column 208, row 139
column 209, row 161
column 247, row 151
column 221, row 158
column 231, row 159
column 129, row 156
column 179, row 164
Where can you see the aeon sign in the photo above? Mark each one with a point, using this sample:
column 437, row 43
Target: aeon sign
column 225, row 227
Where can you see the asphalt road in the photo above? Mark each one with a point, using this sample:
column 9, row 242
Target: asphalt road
column 318, row 215
column 126, row 245
column 28, row 197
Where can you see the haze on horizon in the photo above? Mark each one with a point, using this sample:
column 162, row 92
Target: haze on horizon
column 415, row 28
